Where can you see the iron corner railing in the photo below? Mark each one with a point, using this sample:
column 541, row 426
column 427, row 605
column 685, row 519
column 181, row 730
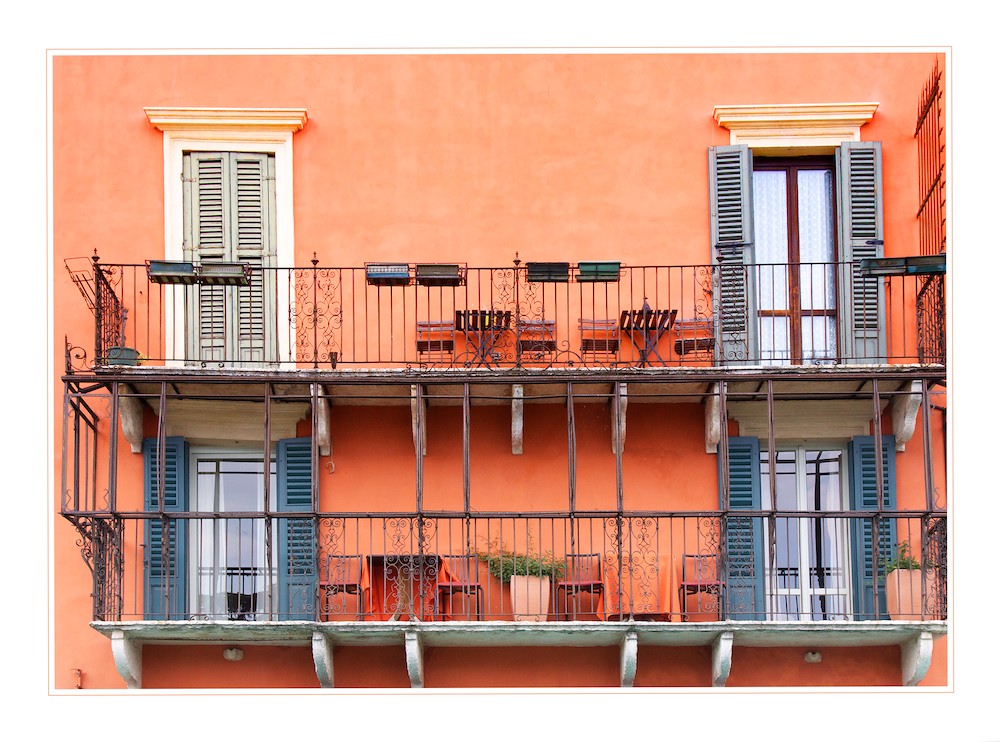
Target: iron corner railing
column 535, row 316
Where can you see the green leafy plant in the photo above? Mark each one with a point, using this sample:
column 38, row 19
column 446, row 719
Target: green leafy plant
column 904, row 559
column 504, row 563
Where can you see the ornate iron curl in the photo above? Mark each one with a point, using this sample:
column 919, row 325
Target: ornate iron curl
column 100, row 546
column 76, row 359
column 316, row 313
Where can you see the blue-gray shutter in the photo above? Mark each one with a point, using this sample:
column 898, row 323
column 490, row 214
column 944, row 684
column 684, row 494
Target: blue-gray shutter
column 859, row 174
column 864, row 496
column 743, row 535
column 297, row 573
column 730, row 174
column 165, row 570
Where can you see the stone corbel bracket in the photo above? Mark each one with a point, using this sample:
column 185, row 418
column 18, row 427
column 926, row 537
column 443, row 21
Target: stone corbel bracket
column 418, row 415
column 916, row 657
column 629, row 658
column 414, row 659
column 130, row 414
column 712, row 425
column 904, row 414
column 128, row 658
column 619, row 407
column 324, row 433
column 722, row 659
column 322, row 648
column 517, row 419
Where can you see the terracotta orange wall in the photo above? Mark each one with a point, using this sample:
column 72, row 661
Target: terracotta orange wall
column 466, row 158
column 513, row 667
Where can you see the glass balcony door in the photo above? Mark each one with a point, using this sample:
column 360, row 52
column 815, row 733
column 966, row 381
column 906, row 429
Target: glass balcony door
column 795, row 251
column 807, row 558
column 231, row 577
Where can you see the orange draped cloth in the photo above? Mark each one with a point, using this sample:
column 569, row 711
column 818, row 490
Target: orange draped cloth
column 646, row 588
column 401, row 585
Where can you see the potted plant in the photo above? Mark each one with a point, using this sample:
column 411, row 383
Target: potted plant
column 903, row 584
column 529, row 576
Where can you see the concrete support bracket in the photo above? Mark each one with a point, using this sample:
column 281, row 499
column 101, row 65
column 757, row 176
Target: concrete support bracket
column 322, row 647
column 128, row 658
column 418, row 412
column 722, row 658
column 130, row 414
column 618, row 418
column 517, row 419
column 629, row 657
column 712, row 430
column 324, row 434
column 916, row 657
column 414, row 659
column 904, row 414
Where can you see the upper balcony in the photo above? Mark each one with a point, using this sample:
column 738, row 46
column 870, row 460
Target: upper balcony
column 598, row 314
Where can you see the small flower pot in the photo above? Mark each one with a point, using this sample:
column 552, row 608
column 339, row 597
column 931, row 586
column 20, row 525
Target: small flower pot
column 120, row 356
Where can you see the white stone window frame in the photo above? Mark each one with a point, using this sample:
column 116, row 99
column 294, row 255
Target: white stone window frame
column 265, row 130
column 794, row 128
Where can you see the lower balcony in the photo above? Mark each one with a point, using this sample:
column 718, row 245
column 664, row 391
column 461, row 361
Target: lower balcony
column 756, row 578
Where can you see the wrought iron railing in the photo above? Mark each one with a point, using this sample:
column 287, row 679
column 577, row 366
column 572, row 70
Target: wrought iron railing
column 523, row 316
column 931, row 191
column 611, row 566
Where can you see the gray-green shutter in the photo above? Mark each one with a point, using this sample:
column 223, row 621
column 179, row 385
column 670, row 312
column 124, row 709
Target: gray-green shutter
column 731, row 202
column 206, row 240
column 744, row 535
column 864, row 496
column 253, row 226
column 165, row 569
column 859, row 174
column 230, row 216
column 297, row 573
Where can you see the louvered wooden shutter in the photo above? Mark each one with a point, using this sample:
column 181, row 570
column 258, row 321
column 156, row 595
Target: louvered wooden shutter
column 744, row 552
column 297, row 574
column 165, row 569
column 864, row 496
column 731, row 201
column 859, row 166
column 230, row 217
column 206, row 186
column 253, row 224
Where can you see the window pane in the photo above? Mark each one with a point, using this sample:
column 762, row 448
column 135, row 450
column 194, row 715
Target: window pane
column 772, row 287
column 775, row 343
column 817, row 285
column 819, row 339
column 815, row 203
column 770, row 215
